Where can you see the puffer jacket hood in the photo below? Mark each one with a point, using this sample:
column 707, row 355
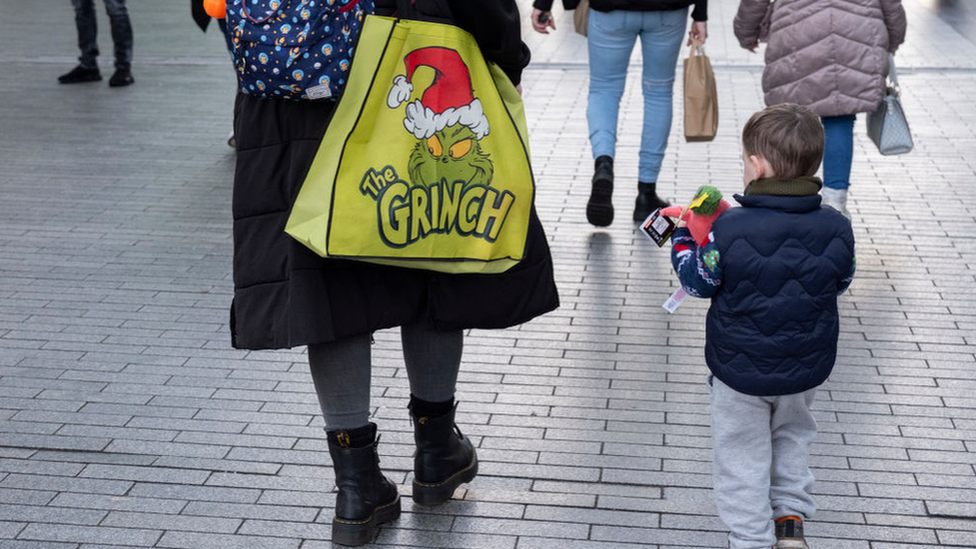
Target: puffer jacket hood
column 829, row 55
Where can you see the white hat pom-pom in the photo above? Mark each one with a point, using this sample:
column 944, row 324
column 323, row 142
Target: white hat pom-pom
column 400, row 92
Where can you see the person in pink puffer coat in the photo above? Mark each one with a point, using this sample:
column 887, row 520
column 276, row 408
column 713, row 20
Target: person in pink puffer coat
column 830, row 56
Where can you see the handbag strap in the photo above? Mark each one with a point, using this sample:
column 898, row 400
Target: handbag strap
column 892, row 74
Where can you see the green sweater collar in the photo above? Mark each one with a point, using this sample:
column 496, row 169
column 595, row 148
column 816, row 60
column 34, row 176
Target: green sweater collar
column 801, row 186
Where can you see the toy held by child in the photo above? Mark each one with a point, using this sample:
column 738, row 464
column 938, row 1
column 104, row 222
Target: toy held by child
column 698, row 216
column 773, row 269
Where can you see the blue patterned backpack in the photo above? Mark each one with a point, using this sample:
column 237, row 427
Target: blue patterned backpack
column 294, row 49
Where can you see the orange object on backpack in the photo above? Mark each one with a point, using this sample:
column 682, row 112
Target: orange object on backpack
column 215, row 8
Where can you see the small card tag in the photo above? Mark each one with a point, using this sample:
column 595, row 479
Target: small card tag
column 322, row 91
column 658, row 227
column 673, row 302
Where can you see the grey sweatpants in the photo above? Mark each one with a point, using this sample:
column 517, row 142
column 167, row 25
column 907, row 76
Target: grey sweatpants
column 341, row 371
column 761, row 460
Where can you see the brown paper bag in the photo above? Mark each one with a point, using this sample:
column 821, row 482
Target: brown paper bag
column 581, row 16
column 701, row 99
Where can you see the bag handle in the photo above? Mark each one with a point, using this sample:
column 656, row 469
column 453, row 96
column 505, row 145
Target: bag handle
column 697, row 47
column 892, row 74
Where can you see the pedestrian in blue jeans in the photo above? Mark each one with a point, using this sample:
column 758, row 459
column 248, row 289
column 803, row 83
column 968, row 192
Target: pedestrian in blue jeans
column 613, row 28
column 87, row 69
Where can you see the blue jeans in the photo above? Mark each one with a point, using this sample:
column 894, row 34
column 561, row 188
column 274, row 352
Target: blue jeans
column 838, row 150
column 88, row 31
column 611, row 37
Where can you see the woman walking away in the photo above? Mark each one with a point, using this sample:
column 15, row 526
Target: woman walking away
column 830, row 56
column 613, row 28
column 286, row 296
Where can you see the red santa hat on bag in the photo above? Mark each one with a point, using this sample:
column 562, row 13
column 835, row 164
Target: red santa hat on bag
column 448, row 101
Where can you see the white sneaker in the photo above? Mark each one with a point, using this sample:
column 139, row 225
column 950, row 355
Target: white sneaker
column 836, row 199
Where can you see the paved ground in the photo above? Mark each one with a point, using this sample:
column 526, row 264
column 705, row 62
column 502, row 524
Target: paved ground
column 126, row 420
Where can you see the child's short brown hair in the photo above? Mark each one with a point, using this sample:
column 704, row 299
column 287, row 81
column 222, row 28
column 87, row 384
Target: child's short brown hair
column 790, row 137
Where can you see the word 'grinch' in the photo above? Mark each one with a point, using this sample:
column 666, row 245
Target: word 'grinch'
column 408, row 213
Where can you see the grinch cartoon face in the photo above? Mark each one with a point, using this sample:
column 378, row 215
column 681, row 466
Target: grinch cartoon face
column 452, row 154
column 448, row 187
column 448, row 121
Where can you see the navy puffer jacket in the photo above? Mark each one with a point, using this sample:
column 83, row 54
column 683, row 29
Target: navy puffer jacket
column 773, row 269
column 773, row 324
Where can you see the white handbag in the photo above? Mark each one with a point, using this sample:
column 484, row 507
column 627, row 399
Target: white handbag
column 887, row 125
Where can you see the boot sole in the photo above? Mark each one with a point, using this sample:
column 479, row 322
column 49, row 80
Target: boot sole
column 599, row 209
column 354, row 533
column 80, row 81
column 435, row 494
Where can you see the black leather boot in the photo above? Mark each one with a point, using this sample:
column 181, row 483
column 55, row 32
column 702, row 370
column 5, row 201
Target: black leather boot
column 445, row 458
column 366, row 498
column 647, row 201
column 599, row 209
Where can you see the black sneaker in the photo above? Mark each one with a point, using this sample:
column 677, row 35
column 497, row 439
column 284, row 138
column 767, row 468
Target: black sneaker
column 599, row 209
column 647, row 201
column 789, row 534
column 122, row 77
column 80, row 74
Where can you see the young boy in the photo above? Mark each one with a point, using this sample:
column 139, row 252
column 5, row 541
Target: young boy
column 773, row 269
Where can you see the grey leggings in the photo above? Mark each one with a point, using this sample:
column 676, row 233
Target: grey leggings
column 341, row 372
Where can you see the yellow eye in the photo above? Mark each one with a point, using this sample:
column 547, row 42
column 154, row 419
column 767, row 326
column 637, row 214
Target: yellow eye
column 460, row 148
column 434, row 146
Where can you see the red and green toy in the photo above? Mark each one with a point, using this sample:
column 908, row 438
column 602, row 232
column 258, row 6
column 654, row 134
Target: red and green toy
column 701, row 213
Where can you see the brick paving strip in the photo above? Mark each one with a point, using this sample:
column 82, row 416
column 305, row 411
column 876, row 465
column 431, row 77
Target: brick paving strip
column 126, row 420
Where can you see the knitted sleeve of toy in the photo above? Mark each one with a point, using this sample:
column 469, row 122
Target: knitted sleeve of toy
column 699, row 267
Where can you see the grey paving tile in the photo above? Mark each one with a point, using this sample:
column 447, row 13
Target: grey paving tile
column 194, row 493
column 25, row 496
column 543, row 543
column 199, row 540
column 145, row 474
column 65, row 484
column 118, row 503
column 251, row 511
column 658, row 536
column 90, row 534
column 457, row 540
column 9, row 529
column 32, row 513
column 170, row 522
column 15, row 544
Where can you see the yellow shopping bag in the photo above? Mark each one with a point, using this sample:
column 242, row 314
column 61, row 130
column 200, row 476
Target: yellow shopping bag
column 425, row 163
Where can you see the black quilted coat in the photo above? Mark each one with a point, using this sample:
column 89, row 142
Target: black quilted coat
column 285, row 295
column 698, row 13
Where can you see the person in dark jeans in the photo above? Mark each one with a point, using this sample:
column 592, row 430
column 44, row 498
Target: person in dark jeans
column 87, row 69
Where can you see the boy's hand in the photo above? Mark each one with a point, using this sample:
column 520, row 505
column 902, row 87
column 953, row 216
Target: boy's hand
column 752, row 47
column 541, row 20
